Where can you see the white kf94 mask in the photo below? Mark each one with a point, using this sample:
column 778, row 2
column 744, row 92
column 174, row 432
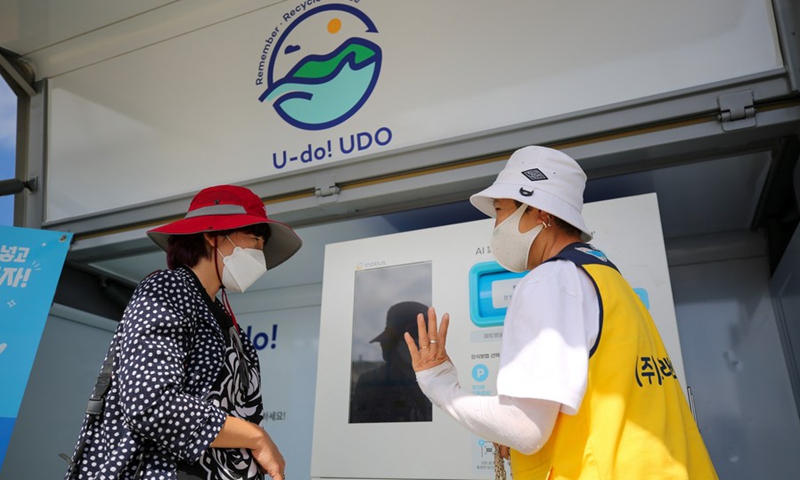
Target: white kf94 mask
column 510, row 247
column 242, row 268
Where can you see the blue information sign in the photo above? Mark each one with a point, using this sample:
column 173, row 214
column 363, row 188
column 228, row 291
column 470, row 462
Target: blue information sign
column 30, row 265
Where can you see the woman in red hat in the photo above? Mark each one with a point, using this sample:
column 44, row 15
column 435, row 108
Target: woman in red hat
column 185, row 401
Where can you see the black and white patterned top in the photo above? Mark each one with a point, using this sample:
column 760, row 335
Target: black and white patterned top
column 177, row 375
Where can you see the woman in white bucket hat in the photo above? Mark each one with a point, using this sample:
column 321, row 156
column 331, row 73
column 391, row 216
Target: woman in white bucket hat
column 586, row 389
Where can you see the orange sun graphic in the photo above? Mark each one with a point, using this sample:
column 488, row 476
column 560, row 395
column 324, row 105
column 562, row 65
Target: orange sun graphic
column 334, row 25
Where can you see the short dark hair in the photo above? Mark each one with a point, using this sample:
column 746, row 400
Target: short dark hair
column 188, row 250
column 567, row 227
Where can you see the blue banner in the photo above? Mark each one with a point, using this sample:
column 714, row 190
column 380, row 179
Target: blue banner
column 30, row 265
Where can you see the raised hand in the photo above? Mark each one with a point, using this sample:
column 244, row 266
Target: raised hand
column 431, row 350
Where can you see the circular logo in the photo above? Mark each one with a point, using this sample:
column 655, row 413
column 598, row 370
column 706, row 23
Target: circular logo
column 480, row 372
column 323, row 68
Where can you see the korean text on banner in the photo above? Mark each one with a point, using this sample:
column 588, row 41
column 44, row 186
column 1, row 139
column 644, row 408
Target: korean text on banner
column 30, row 265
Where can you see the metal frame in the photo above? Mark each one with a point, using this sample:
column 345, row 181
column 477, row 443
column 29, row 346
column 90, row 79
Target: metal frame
column 11, row 70
column 790, row 340
column 787, row 19
column 28, row 204
column 31, row 148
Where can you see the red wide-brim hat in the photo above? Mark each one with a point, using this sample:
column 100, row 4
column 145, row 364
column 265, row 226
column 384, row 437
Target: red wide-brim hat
column 230, row 207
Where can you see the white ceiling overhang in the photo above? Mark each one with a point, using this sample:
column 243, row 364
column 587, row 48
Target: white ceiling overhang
column 620, row 140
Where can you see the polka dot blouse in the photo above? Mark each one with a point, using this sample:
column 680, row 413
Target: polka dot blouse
column 177, row 375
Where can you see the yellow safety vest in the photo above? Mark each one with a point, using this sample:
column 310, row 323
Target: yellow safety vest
column 634, row 422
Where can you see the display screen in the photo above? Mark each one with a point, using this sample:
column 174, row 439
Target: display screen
column 386, row 302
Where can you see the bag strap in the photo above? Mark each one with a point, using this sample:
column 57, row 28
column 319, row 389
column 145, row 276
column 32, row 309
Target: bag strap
column 96, row 403
column 98, row 398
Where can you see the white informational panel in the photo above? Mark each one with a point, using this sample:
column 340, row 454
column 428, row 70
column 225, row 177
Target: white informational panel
column 364, row 278
column 303, row 83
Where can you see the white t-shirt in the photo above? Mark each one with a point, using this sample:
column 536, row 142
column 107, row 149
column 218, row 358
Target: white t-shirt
column 550, row 328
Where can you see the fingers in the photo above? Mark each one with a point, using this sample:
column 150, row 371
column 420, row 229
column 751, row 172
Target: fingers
column 431, row 348
column 276, row 469
column 436, row 337
column 412, row 347
column 272, row 466
column 443, row 331
column 504, row 452
column 432, row 333
column 422, row 331
column 276, row 476
column 270, row 459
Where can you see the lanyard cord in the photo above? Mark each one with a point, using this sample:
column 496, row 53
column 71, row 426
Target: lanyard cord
column 228, row 308
column 226, row 319
column 234, row 333
column 225, row 301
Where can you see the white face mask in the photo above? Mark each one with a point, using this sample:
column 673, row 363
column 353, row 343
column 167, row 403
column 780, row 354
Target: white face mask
column 509, row 246
column 242, row 268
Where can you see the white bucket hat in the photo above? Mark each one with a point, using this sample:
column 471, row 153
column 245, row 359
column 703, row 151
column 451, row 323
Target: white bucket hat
column 542, row 178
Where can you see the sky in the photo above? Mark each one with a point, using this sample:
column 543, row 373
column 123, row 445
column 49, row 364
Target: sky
column 8, row 135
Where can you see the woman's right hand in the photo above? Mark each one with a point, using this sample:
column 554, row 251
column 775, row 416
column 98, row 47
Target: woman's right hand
column 269, row 458
column 432, row 342
column 238, row 433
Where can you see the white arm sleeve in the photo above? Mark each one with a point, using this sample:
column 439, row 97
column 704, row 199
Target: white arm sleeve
column 523, row 424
